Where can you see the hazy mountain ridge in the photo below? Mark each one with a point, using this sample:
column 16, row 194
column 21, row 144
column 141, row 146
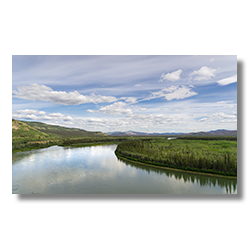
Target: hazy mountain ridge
column 46, row 130
column 220, row 132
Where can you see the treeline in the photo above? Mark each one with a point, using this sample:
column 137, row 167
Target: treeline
column 185, row 158
column 75, row 141
column 26, row 144
column 209, row 138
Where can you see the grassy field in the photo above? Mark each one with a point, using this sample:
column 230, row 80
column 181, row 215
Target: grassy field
column 208, row 156
column 63, row 132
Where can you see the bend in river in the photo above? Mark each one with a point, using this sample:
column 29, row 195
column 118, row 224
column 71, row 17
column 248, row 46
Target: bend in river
column 97, row 170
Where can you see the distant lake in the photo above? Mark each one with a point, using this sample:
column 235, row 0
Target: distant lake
column 172, row 138
column 97, row 170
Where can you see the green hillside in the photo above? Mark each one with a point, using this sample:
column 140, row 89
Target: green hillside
column 29, row 135
column 21, row 131
column 62, row 131
column 25, row 136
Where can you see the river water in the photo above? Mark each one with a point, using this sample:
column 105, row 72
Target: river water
column 97, row 170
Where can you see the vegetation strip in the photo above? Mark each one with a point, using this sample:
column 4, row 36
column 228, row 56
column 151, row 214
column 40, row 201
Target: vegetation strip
column 213, row 157
column 172, row 168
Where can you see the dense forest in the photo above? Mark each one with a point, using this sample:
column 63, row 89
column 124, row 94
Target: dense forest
column 208, row 156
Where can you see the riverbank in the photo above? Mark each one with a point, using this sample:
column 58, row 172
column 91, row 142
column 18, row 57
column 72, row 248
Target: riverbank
column 184, row 169
column 214, row 156
column 73, row 146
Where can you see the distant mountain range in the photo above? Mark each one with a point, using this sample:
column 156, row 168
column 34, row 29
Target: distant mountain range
column 216, row 132
column 43, row 130
column 134, row 133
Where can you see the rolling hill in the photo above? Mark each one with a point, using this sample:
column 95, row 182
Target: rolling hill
column 21, row 131
column 63, row 132
column 27, row 135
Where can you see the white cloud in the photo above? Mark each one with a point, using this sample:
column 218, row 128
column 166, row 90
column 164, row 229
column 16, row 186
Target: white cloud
column 221, row 116
column 29, row 111
column 24, row 116
column 91, row 111
column 227, row 104
column 228, row 80
column 157, row 119
column 204, row 73
column 224, row 102
column 136, row 122
column 33, row 114
column 57, row 116
column 35, row 92
column 116, row 108
column 174, row 92
column 129, row 99
column 174, row 76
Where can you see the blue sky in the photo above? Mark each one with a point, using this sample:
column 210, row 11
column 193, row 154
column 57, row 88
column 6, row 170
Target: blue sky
column 121, row 93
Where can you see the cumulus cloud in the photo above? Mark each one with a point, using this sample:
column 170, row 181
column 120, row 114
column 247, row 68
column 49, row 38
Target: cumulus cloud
column 35, row 92
column 227, row 104
column 129, row 99
column 24, row 116
column 227, row 80
column 224, row 102
column 134, row 121
column 221, row 117
column 154, row 119
column 29, row 111
column 116, row 108
column 57, row 116
column 174, row 76
column 33, row 114
column 174, row 92
column 204, row 73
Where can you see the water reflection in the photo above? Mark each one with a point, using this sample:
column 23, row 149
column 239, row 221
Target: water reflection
column 97, row 170
column 230, row 185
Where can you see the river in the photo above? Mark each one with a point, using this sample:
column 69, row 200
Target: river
column 97, row 170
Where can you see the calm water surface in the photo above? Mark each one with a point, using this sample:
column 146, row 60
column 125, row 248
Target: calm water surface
column 97, row 170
